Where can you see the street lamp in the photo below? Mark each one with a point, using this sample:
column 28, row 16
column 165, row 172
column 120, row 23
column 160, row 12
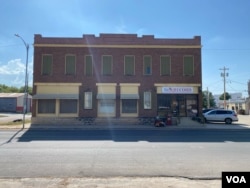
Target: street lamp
column 26, row 79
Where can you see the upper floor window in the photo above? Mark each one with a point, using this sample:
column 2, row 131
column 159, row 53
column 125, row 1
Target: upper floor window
column 47, row 61
column 70, row 64
column 129, row 65
column 165, row 65
column 107, row 65
column 188, row 65
column 147, row 65
column 88, row 68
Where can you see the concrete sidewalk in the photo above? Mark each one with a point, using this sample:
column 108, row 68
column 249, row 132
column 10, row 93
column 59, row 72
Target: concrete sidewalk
column 185, row 123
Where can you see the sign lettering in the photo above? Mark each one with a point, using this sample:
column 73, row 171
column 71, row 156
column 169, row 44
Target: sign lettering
column 177, row 90
column 236, row 179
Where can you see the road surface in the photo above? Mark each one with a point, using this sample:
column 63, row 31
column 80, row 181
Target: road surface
column 128, row 153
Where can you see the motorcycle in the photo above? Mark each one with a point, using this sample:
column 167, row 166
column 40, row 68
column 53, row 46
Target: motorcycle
column 159, row 122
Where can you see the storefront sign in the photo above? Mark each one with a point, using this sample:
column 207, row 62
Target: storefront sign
column 178, row 90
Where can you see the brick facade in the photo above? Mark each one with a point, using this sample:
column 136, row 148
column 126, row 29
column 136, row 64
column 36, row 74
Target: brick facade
column 117, row 45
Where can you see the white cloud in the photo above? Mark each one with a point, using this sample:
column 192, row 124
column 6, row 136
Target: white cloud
column 12, row 73
column 13, row 67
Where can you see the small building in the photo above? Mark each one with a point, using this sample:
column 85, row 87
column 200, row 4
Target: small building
column 14, row 102
column 237, row 103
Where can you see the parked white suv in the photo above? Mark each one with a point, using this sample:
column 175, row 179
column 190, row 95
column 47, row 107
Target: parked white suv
column 220, row 115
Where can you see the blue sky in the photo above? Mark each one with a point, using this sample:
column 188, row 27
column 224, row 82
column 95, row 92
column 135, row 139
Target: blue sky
column 223, row 25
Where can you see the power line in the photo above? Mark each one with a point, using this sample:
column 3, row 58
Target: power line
column 238, row 82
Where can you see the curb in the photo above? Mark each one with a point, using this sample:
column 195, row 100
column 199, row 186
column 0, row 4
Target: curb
column 128, row 127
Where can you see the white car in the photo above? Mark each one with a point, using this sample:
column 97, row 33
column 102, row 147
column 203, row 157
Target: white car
column 220, row 115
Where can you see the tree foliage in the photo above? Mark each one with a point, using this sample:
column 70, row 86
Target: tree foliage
column 211, row 103
column 11, row 89
column 227, row 96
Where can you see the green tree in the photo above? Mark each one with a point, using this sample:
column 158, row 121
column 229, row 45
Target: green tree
column 21, row 90
column 211, row 103
column 6, row 89
column 227, row 96
column 11, row 89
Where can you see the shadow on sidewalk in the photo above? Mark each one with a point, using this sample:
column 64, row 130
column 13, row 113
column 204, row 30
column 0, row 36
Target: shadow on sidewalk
column 161, row 134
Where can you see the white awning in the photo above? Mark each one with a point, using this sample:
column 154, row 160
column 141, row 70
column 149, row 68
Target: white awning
column 105, row 96
column 130, row 96
column 56, row 96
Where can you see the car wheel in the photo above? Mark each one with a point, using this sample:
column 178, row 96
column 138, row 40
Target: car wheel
column 228, row 121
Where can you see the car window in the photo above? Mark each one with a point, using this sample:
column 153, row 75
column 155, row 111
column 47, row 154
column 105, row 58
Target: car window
column 206, row 110
column 212, row 112
column 221, row 112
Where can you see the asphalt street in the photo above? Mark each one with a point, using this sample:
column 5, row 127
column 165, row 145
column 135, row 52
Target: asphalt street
column 125, row 153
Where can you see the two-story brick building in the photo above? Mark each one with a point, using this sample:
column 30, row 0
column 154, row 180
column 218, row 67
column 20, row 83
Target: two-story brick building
column 116, row 75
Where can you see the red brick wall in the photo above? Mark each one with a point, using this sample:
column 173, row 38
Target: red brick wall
column 89, row 82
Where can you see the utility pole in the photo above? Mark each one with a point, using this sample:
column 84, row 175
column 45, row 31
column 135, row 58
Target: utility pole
column 224, row 75
column 26, row 79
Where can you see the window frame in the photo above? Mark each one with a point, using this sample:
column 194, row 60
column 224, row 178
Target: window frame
column 125, row 62
column 111, row 65
column 51, row 66
column 91, row 65
column 161, row 65
column 69, row 73
column 186, row 72
column 145, row 71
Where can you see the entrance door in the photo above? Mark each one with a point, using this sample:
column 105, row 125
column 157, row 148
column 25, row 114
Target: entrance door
column 182, row 105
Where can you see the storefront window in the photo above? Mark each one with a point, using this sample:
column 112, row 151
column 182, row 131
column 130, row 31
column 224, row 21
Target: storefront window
column 164, row 100
column 181, row 104
column 107, row 106
column 129, row 106
column 68, row 106
column 46, row 106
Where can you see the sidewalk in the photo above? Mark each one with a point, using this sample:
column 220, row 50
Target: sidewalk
column 185, row 123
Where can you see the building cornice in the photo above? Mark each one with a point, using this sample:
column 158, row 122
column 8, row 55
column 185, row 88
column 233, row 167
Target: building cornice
column 56, row 84
column 114, row 46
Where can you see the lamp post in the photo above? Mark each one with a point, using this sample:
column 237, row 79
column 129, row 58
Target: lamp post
column 26, row 79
